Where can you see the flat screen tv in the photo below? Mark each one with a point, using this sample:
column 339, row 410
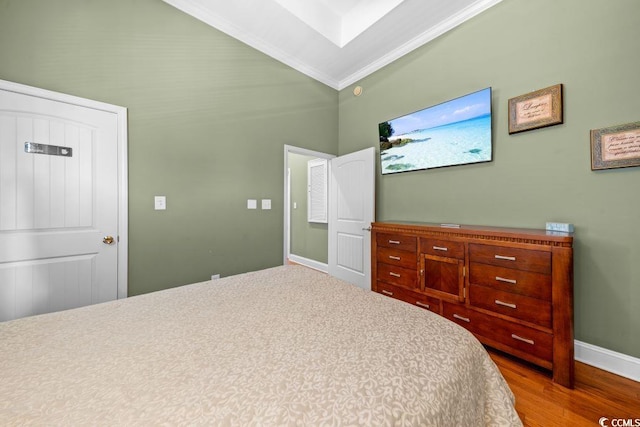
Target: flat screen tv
column 456, row 132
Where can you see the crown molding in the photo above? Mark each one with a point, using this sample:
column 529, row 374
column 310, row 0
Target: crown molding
column 424, row 38
column 336, row 82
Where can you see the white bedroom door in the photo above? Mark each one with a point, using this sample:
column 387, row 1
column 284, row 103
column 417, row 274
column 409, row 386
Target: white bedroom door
column 351, row 212
column 58, row 205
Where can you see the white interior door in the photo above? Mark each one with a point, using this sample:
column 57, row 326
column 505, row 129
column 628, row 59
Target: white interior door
column 351, row 212
column 59, row 200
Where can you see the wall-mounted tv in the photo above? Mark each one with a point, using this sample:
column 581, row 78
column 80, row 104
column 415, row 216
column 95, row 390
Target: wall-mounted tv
column 456, row 132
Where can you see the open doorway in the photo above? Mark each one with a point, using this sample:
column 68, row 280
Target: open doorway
column 305, row 242
column 350, row 201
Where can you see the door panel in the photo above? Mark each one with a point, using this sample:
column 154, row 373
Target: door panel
column 349, row 253
column 29, row 288
column 56, row 209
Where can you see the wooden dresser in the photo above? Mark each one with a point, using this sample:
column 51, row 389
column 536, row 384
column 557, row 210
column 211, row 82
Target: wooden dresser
column 512, row 288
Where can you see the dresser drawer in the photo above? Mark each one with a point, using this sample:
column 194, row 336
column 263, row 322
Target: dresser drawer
column 524, row 308
column 527, row 341
column 535, row 285
column 400, row 276
column 415, row 298
column 516, row 258
column 442, row 248
column 403, row 243
column 397, row 257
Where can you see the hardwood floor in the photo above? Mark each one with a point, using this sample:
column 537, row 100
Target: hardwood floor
column 597, row 393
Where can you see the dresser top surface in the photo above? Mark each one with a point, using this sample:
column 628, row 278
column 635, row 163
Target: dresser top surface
column 417, row 227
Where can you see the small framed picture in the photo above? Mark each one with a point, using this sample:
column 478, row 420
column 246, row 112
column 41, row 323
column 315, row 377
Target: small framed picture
column 535, row 110
column 615, row 146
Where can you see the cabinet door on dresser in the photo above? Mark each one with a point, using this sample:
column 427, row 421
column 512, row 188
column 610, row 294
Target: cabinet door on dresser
column 442, row 268
column 396, row 260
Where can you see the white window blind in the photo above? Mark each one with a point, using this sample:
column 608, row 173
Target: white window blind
column 317, row 190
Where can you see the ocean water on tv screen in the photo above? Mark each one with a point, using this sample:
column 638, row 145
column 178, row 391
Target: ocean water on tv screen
column 463, row 142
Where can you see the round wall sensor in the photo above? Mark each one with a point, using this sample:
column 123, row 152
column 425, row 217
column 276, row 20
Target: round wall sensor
column 357, row 91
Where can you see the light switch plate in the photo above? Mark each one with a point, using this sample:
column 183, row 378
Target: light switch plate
column 266, row 204
column 160, row 203
column 252, row 204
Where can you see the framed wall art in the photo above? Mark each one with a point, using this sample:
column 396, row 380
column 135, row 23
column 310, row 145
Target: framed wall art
column 615, row 146
column 537, row 109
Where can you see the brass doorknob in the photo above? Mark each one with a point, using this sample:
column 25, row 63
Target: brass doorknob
column 108, row 240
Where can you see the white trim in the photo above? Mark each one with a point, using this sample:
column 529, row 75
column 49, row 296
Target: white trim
column 123, row 196
column 123, row 203
column 422, row 39
column 608, row 360
column 336, row 82
column 316, row 265
column 287, row 196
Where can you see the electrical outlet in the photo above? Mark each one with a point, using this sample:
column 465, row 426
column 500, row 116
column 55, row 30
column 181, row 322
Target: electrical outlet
column 215, row 276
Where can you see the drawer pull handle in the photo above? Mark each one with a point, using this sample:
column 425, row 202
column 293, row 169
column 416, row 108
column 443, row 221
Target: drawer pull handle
column 506, row 304
column 506, row 258
column 397, row 258
column 440, row 248
column 528, row 341
column 386, row 292
column 394, row 242
column 394, row 274
column 464, row 319
column 421, row 304
column 502, row 279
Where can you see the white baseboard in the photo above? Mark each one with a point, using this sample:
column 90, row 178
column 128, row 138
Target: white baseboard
column 316, row 265
column 608, row 360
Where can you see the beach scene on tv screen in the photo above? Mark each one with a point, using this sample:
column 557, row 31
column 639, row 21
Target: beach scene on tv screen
column 455, row 132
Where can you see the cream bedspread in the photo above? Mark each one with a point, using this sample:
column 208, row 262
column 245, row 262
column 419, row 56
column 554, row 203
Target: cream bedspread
column 282, row 346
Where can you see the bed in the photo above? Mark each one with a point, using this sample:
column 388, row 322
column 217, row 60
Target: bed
column 281, row 346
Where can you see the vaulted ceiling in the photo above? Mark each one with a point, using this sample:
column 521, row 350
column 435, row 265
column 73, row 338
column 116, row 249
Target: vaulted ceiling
column 336, row 42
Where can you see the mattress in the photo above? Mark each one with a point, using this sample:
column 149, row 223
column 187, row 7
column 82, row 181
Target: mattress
column 281, row 346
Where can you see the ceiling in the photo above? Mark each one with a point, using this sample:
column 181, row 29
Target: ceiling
column 336, row 42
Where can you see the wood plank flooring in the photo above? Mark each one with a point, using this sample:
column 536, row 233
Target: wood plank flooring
column 597, row 393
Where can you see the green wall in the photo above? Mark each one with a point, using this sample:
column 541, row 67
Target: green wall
column 208, row 120
column 516, row 47
column 308, row 239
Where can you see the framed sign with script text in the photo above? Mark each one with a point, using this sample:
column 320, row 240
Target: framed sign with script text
column 535, row 110
column 615, row 146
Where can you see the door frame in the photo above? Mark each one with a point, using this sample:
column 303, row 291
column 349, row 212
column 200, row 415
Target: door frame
column 290, row 149
column 123, row 196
